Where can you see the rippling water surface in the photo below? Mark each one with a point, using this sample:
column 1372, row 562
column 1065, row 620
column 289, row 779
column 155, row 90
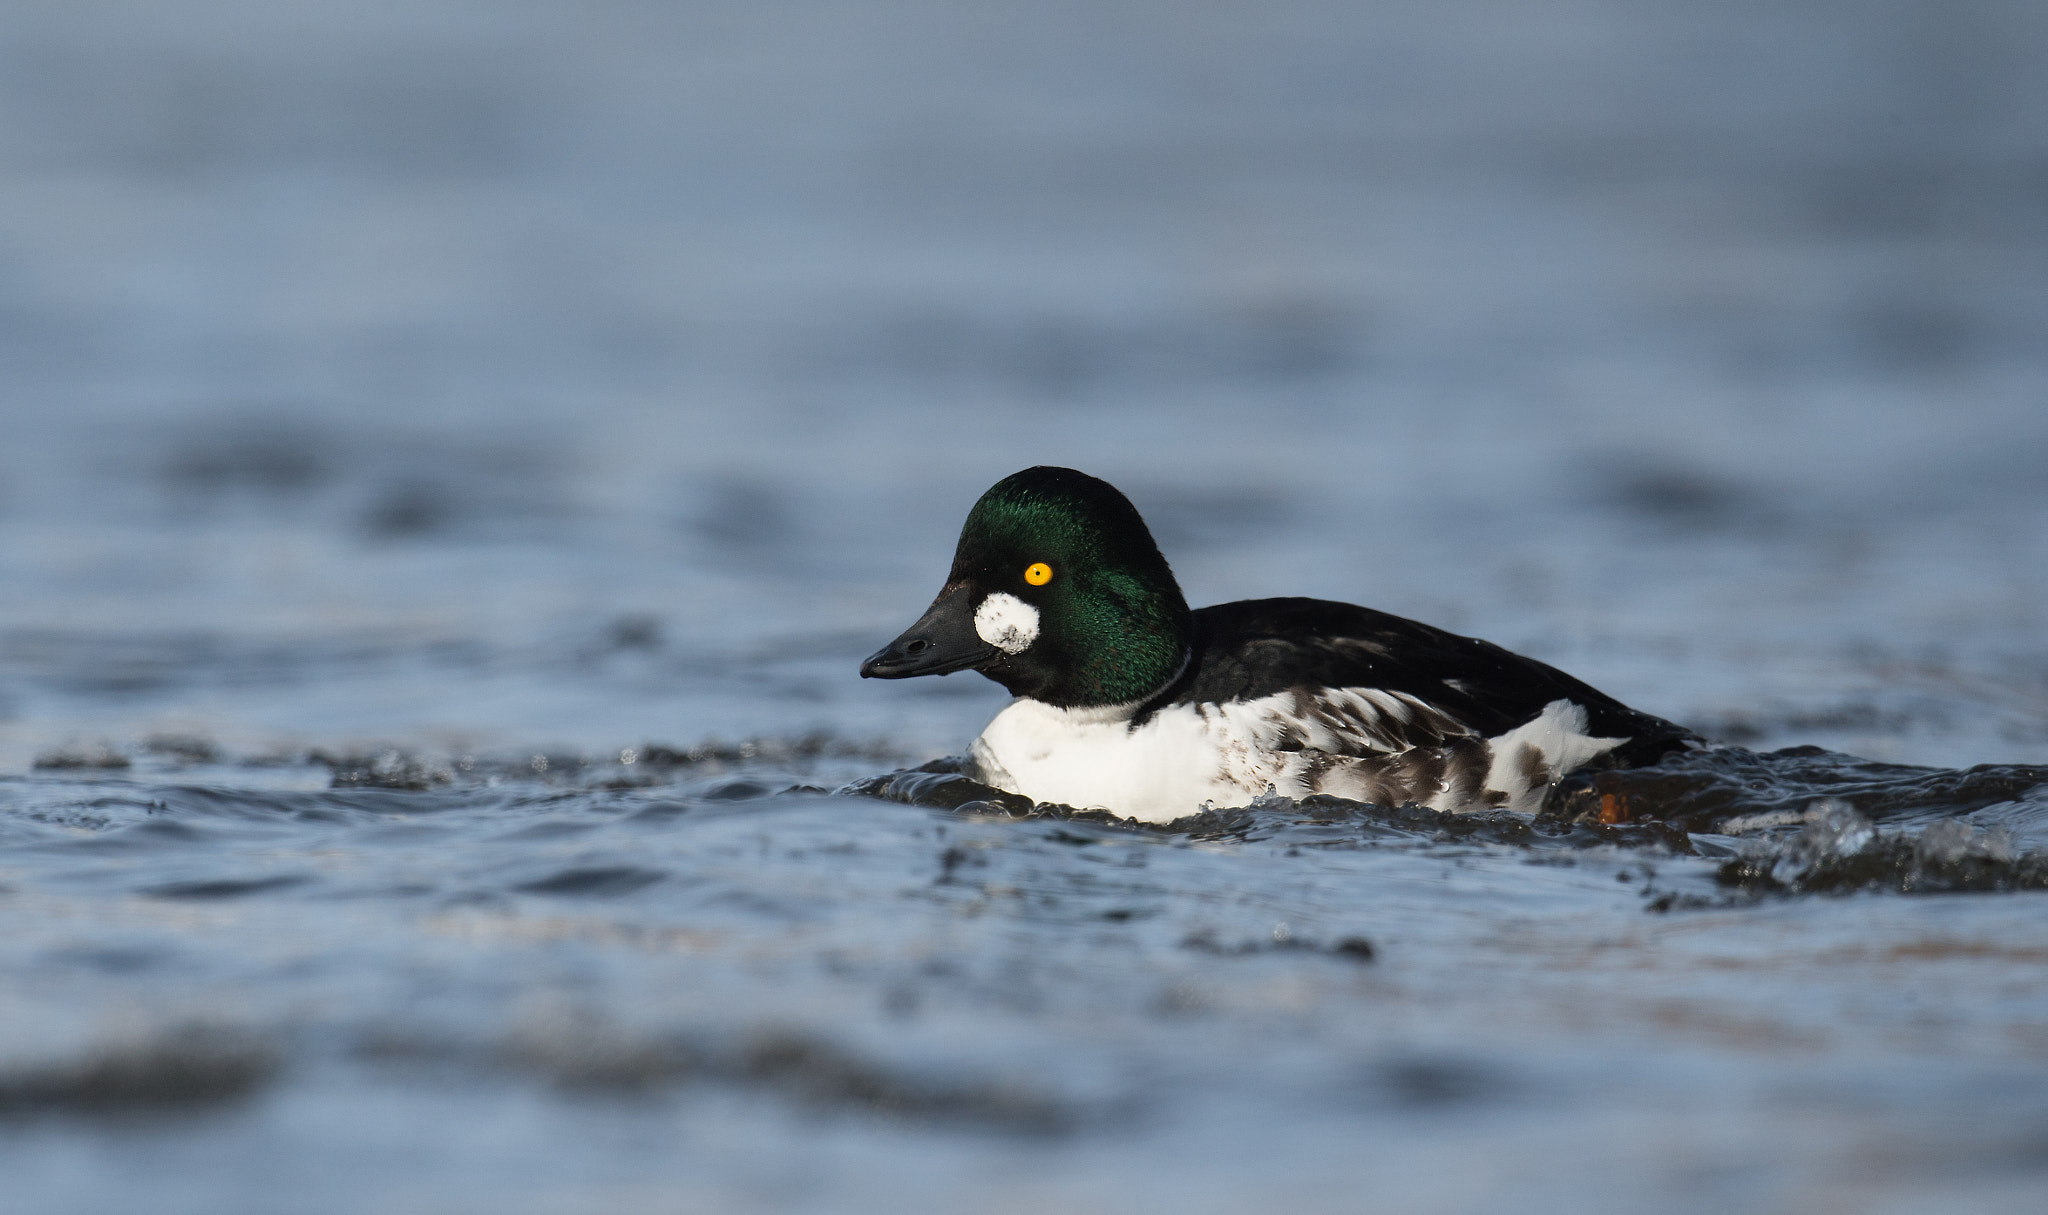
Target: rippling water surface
column 458, row 455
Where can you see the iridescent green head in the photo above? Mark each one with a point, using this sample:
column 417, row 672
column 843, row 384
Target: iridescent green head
column 1057, row 592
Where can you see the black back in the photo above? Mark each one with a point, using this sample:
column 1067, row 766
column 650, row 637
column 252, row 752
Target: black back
column 1260, row 647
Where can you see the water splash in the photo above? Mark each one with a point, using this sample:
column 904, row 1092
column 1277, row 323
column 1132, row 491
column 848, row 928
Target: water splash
column 1838, row 851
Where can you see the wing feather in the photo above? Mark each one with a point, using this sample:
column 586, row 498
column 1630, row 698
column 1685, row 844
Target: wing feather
column 1347, row 680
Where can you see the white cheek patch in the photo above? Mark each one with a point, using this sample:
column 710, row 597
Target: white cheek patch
column 1006, row 622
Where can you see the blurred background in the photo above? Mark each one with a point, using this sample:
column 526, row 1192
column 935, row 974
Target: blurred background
column 470, row 376
column 415, row 394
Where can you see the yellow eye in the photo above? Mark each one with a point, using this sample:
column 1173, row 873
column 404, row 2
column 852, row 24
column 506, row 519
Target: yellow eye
column 1038, row 573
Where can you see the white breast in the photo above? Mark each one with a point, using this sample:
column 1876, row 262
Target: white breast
column 1164, row 769
column 1228, row 754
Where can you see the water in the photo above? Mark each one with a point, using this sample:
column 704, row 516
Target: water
column 414, row 416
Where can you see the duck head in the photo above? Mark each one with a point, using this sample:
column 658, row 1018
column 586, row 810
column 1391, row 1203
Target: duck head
column 1057, row 592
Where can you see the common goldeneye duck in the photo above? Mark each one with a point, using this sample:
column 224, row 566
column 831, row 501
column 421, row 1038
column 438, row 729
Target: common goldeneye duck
column 1129, row 702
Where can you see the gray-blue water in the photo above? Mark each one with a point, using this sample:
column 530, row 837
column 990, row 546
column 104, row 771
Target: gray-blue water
column 456, row 456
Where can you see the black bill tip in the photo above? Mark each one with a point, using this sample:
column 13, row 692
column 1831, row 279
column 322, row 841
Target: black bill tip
column 941, row 642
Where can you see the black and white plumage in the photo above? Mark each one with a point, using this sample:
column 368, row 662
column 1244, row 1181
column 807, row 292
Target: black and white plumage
column 1307, row 696
column 1130, row 702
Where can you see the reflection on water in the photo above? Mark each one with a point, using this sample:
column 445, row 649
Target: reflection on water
column 457, row 457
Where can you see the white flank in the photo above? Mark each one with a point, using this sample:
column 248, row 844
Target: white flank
column 1006, row 622
column 1559, row 735
column 1223, row 754
column 1227, row 754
